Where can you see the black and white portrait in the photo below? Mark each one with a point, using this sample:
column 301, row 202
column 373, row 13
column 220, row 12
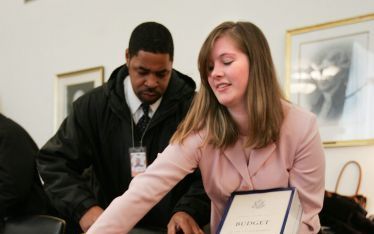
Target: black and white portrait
column 71, row 85
column 73, row 92
column 331, row 73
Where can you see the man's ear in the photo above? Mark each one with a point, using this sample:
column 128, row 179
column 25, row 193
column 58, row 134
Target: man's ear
column 127, row 56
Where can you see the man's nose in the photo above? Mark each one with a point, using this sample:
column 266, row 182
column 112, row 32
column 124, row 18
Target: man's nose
column 151, row 81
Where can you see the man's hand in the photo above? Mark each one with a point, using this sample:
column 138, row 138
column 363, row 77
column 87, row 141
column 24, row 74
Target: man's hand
column 90, row 217
column 183, row 222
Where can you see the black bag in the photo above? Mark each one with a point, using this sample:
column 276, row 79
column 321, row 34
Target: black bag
column 343, row 214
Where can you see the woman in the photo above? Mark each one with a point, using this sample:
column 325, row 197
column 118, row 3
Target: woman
column 240, row 132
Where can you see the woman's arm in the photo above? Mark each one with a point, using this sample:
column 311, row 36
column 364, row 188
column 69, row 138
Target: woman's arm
column 148, row 188
column 308, row 176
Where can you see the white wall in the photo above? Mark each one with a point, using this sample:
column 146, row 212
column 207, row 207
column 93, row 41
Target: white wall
column 45, row 37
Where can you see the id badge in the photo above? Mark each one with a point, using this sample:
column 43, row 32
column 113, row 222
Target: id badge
column 138, row 158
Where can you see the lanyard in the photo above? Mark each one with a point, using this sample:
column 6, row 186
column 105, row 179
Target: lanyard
column 132, row 132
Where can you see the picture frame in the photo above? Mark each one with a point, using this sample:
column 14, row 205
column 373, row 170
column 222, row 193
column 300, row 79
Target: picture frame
column 70, row 86
column 330, row 71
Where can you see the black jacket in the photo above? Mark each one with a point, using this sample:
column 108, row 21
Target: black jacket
column 98, row 133
column 21, row 192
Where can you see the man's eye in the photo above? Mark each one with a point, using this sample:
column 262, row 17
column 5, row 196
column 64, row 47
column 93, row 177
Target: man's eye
column 161, row 74
column 142, row 73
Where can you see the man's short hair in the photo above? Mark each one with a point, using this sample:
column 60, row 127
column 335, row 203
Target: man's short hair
column 151, row 37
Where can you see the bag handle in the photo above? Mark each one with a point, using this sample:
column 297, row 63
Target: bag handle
column 341, row 173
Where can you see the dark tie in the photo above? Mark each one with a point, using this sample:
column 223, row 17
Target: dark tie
column 144, row 120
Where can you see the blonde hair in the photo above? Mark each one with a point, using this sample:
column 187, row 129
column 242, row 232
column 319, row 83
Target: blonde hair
column 263, row 94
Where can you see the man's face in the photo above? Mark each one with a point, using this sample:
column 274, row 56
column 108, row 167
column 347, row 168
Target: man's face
column 150, row 74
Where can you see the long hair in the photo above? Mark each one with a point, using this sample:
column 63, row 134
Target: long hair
column 263, row 96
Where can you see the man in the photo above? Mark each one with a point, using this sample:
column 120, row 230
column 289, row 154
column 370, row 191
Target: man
column 130, row 118
column 21, row 191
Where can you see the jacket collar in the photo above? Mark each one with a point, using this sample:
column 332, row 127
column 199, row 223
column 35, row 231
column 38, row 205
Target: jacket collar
column 179, row 87
column 258, row 157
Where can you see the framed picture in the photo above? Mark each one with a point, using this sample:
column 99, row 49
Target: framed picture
column 330, row 71
column 70, row 86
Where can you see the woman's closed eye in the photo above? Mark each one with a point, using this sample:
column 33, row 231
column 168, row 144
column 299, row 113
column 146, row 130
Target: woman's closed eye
column 228, row 62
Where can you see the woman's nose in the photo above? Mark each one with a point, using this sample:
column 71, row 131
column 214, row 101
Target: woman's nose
column 217, row 72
